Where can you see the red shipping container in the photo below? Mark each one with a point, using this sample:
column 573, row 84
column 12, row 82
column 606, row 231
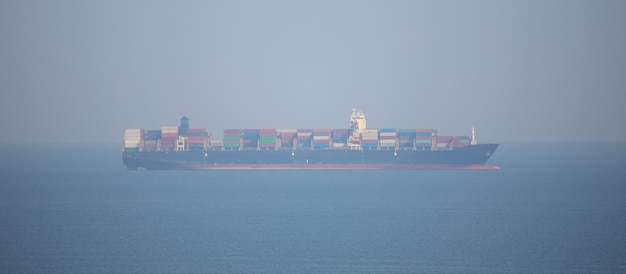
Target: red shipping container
column 424, row 130
column 232, row 132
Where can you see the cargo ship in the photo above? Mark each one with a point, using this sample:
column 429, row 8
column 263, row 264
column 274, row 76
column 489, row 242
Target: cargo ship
column 356, row 147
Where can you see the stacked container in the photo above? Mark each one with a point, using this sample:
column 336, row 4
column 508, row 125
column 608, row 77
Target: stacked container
column 406, row 137
column 424, row 138
column 287, row 136
column 369, row 138
column 267, row 138
column 197, row 138
column 216, row 143
column 151, row 140
column 388, row 137
column 232, row 138
column 304, row 137
column 251, row 138
column 340, row 137
column 321, row 138
column 461, row 141
column 444, row 141
column 169, row 136
column 133, row 139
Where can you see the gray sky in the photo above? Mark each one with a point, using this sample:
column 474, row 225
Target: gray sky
column 82, row 71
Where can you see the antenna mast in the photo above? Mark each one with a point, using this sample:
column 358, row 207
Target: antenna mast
column 473, row 139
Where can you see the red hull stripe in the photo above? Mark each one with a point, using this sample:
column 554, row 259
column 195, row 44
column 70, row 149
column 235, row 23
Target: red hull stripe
column 341, row 167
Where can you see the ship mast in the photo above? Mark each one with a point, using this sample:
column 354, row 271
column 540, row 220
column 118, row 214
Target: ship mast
column 473, row 139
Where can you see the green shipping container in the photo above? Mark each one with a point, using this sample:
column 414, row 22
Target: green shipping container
column 267, row 140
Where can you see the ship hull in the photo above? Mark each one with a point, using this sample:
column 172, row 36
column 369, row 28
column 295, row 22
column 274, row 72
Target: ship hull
column 473, row 157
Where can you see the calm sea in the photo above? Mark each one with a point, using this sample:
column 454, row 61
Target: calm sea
column 551, row 208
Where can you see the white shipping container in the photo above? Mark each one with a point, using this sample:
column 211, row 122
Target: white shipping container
column 321, row 137
column 388, row 141
column 216, row 143
column 287, row 130
column 339, row 145
column 388, row 134
column 133, row 134
column 169, row 129
column 133, row 131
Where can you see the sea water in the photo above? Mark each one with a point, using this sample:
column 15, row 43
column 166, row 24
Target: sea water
column 550, row 208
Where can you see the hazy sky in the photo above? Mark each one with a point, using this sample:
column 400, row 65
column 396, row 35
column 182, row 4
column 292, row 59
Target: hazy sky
column 82, row 71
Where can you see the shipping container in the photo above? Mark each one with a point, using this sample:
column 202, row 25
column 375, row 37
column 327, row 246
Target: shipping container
column 321, row 132
column 152, row 134
column 197, row 132
column 339, row 145
column 232, row 132
column 133, row 131
column 406, row 132
column 407, row 142
column 370, row 145
column 250, row 143
column 132, row 144
column 268, row 139
column 169, row 129
column 231, row 146
column 286, row 131
column 340, row 135
column 196, row 139
column 216, row 143
column 444, row 139
column 388, row 134
column 304, row 143
column 321, row 145
column 268, row 132
column 388, row 145
column 150, row 147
